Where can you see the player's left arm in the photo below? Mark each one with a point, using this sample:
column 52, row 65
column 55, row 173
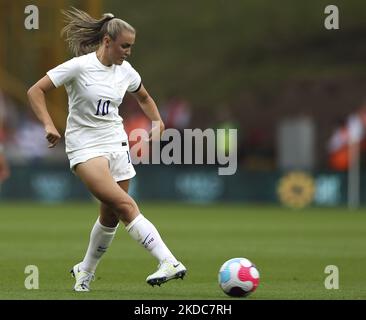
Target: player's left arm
column 149, row 107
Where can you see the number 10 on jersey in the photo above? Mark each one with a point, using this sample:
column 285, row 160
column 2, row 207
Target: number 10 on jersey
column 105, row 107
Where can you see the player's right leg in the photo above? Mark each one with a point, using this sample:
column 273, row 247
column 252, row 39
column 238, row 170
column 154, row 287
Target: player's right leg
column 95, row 174
column 97, row 177
column 101, row 237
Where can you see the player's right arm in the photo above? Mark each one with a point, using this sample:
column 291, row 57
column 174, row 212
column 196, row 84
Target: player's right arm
column 37, row 99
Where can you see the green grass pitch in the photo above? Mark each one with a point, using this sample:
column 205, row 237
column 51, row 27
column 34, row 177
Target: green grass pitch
column 290, row 248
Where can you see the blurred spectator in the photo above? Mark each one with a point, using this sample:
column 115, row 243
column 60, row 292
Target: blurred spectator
column 226, row 121
column 338, row 158
column 177, row 114
column 356, row 124
column 30, row 139
column 259, row 154
column 4, row 168
column 357, row 131
column 347, row 132
column 135, row 119
column 9, row 116
column 22, row 135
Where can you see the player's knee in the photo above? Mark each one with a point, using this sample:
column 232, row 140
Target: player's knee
column 126, row 208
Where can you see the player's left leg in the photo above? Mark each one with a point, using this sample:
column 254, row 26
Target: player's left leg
column 169, row 268
column 143, row 231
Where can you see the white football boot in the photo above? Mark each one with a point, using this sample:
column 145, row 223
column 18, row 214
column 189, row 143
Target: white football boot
column 82, row 278
column 167, row 271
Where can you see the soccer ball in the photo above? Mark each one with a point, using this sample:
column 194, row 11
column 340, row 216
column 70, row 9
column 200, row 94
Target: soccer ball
column 238, row 277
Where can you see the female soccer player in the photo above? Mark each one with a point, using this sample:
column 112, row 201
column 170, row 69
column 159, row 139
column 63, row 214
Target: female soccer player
column 96, row 80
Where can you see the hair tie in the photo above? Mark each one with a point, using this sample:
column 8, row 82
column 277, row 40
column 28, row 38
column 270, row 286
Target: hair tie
column 110, row 16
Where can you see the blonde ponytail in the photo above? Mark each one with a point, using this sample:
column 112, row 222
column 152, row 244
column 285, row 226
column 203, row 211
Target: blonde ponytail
column 84, row 34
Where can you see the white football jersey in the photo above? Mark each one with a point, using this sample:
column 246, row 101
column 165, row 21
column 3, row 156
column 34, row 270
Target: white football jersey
column 95, row 92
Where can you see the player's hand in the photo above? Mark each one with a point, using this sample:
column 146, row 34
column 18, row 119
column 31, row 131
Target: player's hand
column 156, row 131
column 52, row 135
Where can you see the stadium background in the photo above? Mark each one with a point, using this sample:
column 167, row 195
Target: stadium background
column 274, row 72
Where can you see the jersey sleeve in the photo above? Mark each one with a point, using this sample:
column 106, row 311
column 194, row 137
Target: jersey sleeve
column 135, row 80
column 64, row 72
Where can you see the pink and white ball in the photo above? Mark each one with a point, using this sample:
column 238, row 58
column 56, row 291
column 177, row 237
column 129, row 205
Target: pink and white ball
column 238, row 277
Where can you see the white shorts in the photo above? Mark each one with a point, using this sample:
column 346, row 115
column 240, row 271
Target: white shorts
column 120, row 164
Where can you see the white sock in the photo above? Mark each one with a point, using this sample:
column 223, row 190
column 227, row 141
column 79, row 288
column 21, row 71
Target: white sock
column 144, row 232
column 100, row 239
